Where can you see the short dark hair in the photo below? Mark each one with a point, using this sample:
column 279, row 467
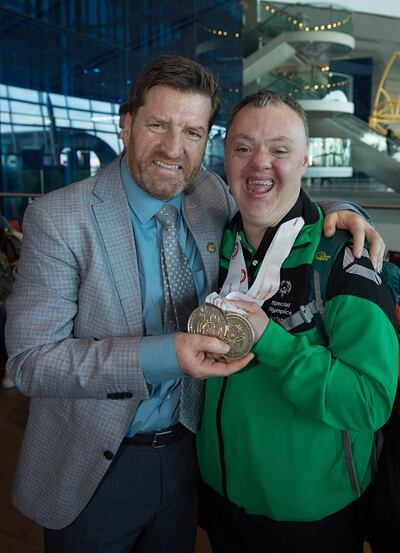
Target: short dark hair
column 123, row 108
column 265, row 98
column 176, row 72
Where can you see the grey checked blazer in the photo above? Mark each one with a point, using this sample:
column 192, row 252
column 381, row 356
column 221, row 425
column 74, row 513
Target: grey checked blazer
column 73, row 326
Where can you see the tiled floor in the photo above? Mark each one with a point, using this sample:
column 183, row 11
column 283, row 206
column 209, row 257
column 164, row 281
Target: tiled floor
column 17, row 533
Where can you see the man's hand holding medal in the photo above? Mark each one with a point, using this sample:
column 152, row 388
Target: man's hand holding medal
column 225, row 321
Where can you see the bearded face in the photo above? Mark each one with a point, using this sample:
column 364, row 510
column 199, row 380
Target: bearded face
column 166, row 139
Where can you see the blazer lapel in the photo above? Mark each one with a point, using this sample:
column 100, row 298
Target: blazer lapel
column 112, row 215
column 202, row 228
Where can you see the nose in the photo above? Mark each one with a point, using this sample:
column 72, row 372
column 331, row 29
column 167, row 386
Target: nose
column 261, row 159
column 172, row 144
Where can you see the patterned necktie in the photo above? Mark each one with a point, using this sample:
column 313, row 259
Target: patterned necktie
column 180, row 300
column 179, row 290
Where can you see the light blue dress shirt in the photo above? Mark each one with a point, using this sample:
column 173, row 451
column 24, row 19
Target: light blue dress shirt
column 157, row 355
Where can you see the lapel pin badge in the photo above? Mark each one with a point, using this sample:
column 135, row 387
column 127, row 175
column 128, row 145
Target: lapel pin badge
column 211, row 247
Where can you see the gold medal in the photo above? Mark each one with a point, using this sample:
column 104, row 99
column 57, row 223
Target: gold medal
column 232, row 328
column 239, row 335
column 207, row 320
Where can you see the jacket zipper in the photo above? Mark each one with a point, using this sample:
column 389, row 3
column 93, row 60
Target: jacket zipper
column 220, row 437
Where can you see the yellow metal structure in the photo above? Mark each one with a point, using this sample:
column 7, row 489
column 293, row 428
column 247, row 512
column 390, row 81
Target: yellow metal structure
column 386, row 110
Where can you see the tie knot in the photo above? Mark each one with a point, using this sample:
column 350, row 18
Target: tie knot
column 167, row 215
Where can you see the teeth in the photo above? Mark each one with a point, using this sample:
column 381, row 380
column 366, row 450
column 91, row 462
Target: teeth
column 256, row 182
column 167, row 165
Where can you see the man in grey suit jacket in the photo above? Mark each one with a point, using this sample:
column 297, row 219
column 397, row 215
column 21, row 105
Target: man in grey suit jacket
column 106, row 463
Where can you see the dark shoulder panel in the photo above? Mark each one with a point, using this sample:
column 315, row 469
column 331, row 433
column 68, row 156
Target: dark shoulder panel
column 356, row 277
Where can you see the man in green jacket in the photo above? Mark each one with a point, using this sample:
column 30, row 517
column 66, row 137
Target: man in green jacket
column 271, row 447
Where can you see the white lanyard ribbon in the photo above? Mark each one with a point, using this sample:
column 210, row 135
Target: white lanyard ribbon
column 267, row 282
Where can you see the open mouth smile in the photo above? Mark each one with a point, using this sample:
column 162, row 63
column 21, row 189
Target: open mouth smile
column 169, row 166
column 259, row 187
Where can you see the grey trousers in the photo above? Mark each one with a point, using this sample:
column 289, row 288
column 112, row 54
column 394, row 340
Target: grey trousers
column 146, row 503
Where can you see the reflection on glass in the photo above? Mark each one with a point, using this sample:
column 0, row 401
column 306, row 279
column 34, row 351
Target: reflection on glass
column 61, row 122
column 79, row 114
column 5, row 128
column 374, row 139
column 75, row 124
column 58, row 100
column 80, row 103
column 330, row 152
column 59, row 112
column 4, row 117
column 214, row 155
column 111, row 139
column 21, row 119
column 25, row 107
column 23, row 94
column 104, row 107
column 104, row 127
column 49, row 140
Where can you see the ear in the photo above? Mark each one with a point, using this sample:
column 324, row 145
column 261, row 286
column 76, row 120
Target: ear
column 126, row 131
column 304, row 164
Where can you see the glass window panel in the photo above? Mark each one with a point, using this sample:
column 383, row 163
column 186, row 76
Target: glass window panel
column 329, row 152
column 24, row 107
column 44, row 110
column 57, row 100
column 3, row 90
column 62, row 122
column 102, row 118
column 4, row 117
column 81, row 103
column 5, row 128
column 23, row 94
column 59, row 112
column 104, row 107
column 4, row 105
column 43, row 96
column 111, row 139
column 75, row 114
column 104, row 127
column 81, row 124
column 26, row 119
column 25, row 128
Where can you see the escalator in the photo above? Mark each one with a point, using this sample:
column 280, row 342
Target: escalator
column 371, row 153
column 285, row 48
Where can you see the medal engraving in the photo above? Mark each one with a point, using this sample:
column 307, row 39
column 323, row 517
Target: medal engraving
column 207, row 320
column 232, row 328
column 239, row 335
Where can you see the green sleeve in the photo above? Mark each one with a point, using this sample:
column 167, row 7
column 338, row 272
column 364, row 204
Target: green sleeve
column 352, row 384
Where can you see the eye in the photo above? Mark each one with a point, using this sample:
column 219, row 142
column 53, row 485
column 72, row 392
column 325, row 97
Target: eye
column 281, row 151
column 157, row 127
column 195, row 135
column 241, row 149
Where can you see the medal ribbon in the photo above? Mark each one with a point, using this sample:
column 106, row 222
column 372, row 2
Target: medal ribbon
column 267, row 281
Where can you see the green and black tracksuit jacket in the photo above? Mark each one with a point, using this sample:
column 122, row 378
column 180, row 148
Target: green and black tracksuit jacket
column 271, row 434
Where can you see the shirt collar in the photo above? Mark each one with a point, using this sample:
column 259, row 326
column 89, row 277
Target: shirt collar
column 143, row 204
